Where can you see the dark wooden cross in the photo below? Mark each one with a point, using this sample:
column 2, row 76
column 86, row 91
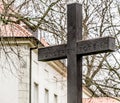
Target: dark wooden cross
column 74, row 50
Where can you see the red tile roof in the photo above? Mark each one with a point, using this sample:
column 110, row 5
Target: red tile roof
column 100, row 100
column 44, row 42
column 1, row 7
column 13, row 30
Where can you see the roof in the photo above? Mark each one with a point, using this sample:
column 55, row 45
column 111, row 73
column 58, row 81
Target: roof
column 100, row 100
column 13, row 30
column 86, row 91
column 1, row 7
column 15, row 33
column 44, row 42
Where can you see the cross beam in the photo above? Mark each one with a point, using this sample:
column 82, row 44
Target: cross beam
column 74, row 50
column 84, row 47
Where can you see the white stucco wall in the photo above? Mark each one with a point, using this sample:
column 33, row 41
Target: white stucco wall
column 14, row 74
column 48, row 78
column 14, row 78
column 8, row 87
column 44, row 75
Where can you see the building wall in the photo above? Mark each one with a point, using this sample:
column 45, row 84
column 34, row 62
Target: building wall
column 47, row 78
column 8, row 87
column 12, row 70
column 14, row 78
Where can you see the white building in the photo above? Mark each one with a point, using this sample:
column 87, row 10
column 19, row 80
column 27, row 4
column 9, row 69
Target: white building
column 24, row 79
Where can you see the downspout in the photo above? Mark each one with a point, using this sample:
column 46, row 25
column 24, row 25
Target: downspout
column 30, row 74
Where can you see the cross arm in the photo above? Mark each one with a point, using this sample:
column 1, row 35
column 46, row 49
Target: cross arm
column 84, row 47
column 52, row 52
column 95, row 46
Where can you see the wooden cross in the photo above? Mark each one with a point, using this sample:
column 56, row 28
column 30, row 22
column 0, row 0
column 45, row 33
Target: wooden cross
column 74, row 50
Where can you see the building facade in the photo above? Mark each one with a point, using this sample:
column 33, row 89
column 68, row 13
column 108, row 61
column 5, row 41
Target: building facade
column 24, row 79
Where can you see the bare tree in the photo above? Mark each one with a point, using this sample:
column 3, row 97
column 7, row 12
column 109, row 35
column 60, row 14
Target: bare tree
column 101, row 72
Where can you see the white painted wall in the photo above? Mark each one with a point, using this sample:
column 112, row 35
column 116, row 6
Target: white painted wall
column 48, row 78
column 8, row 87
column 45, row 76
column 14, row 74
column 14, row 78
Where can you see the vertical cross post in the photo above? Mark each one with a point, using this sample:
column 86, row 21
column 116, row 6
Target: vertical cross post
column 74, row 50
column 74, row 76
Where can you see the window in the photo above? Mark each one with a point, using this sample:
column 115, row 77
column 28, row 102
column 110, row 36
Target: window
column 36, row 91
column 46, row 75
column 55, row 98
column 55, row 81
column 46, row 100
